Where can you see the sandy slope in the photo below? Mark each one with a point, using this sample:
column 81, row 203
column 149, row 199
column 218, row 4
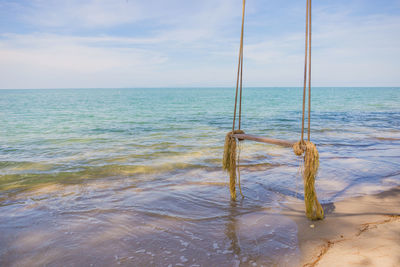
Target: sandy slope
column 362, row 231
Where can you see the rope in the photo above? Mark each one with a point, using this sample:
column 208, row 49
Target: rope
column 241, row 83
column 309, row 74
column 230, row 156
column 238, row 170
column 314, row 210
column 239, row 74
column 307, row 60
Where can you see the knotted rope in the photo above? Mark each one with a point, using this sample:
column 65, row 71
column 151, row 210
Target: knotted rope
column 314, row 209
column 229, row 160
column 230, row 154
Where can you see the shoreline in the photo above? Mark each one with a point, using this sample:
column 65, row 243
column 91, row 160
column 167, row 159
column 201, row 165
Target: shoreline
column 359, row 231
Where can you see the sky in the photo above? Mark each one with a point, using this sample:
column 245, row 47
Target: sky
column 195, row 43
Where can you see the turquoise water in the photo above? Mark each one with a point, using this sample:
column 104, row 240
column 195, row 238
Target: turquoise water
column 135, row 161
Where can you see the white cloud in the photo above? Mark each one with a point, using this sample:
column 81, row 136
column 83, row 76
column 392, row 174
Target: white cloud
column 75, row 13
column 108, row 13
column 197, row 45
column 54, row 61
column 347, row 51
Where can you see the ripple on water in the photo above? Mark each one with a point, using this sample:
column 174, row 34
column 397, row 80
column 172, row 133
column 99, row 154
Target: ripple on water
column 133, row 177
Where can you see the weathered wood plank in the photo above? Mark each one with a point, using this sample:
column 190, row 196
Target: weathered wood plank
column 264, row 140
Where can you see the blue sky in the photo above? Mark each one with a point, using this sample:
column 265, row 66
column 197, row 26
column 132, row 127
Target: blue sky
column 156, row 43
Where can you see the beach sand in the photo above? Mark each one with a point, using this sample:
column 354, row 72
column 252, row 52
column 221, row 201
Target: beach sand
column 360, row 231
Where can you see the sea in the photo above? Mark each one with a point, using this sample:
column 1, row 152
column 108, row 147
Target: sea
column 133, row 176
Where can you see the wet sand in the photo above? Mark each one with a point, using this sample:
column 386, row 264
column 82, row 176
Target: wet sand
column 360, row 231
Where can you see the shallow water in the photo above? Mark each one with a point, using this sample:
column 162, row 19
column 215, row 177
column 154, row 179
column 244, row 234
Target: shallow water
column 133, row 176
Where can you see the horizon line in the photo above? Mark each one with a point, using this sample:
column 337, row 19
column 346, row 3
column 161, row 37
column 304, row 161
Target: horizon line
column 190, row 87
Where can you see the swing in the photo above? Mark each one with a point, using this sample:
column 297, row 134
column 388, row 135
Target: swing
column 303, row 148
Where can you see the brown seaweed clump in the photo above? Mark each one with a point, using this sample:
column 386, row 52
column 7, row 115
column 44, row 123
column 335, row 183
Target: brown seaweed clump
column 314, row 210
column 229, row 160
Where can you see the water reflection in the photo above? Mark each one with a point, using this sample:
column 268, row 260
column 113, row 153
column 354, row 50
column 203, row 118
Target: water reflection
column 231, row 229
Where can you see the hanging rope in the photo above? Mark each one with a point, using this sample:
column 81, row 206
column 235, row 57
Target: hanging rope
column 307, row 60
column 239, row 80
column 305, row 74
column 309, row 151
column 231, row 159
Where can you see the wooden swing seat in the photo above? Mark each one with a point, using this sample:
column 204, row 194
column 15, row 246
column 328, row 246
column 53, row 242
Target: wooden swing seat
column 262, row 139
